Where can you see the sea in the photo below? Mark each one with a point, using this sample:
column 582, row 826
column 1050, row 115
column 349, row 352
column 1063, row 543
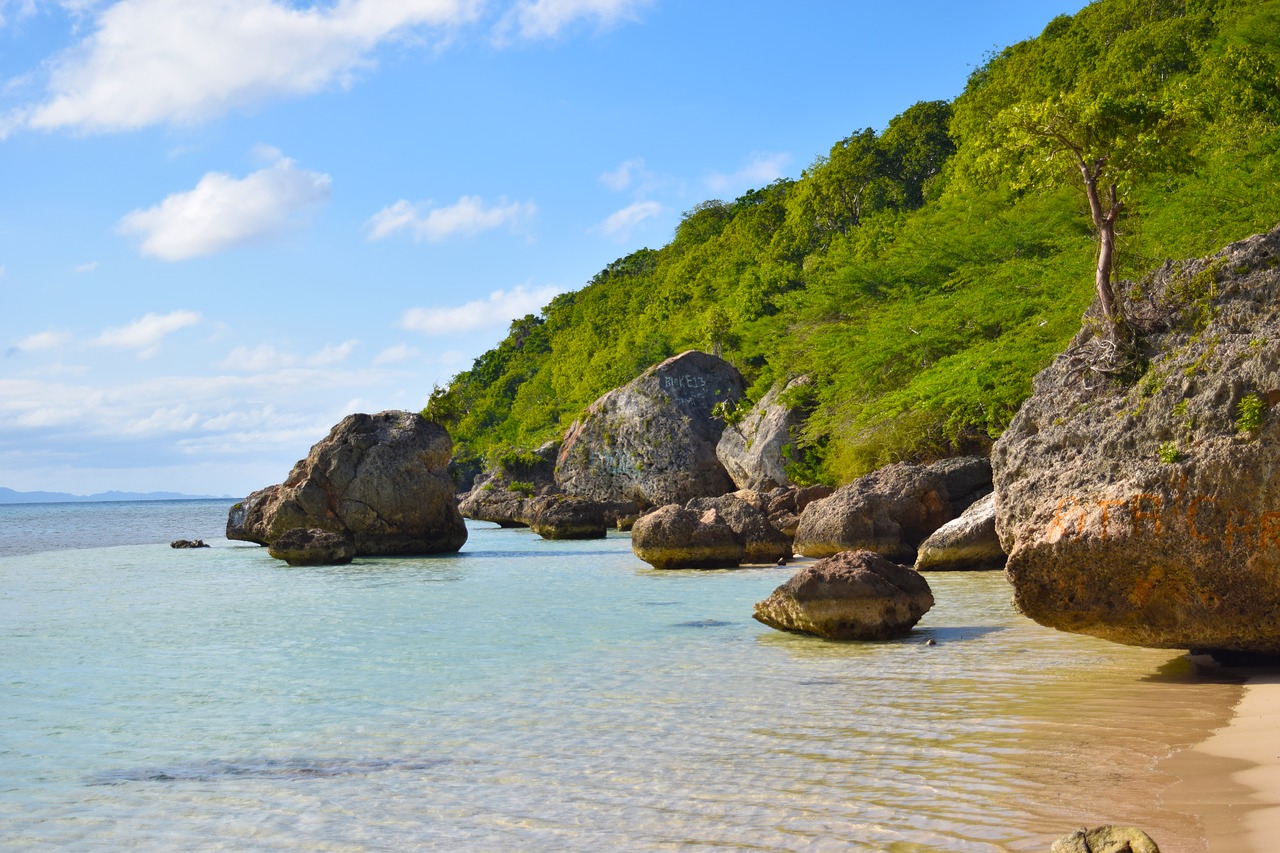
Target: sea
column 529, row 695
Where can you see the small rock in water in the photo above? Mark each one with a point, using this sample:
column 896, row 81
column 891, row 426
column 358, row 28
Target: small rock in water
column 1106, row 839
column 188, row 543
column 931, row 642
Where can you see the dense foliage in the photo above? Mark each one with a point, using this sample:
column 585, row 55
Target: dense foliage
column 921, row 276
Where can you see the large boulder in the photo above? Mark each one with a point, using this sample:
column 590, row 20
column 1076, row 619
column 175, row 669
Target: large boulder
column 654, row 439
column 672, row 537
column 380, row 479
column 890, row 511
column 755, row 449
column 1138, row 497
column 855, row 595
column 967, row 542
column 761, row 541
column 501, row 494
column 303, row 547
column 566, row 517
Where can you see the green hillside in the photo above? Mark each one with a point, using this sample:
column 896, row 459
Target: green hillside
column 922, row 274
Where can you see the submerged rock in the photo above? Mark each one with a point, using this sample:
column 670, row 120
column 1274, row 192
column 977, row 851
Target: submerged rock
column 673, row 537
column 654, row 439
column 967, row 542
column 380, row 479
column 1143, row 506
column 303, row 547
column 854, row 595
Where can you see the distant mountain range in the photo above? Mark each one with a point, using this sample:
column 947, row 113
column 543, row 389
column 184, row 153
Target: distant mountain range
column 9, row 496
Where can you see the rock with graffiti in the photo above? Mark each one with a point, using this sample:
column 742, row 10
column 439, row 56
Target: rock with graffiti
column 654, row 439
column 1139, row 498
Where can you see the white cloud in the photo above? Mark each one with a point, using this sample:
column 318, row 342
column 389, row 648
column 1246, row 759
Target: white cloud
column 468, row 217
column 160, row 61
column 223, row 212
column 535, row 19
column 620, row 178
column 265, row 358
column 42, row 341
column 763, row 168
column 90, row 266
column 145, row 334
column 397, row 353
column 499, row 309
column 620, row 223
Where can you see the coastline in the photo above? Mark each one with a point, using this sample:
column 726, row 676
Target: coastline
column 1232, row 779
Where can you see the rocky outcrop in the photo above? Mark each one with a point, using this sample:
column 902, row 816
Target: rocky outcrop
column 566, row 517
column 964, row 543
column 1106, row 839
column 673, row 537
column 762, row 543
column 1139, row 499
column 303, row 547
column 855, row 595
column 654, row 439
column 188, row 543
column 752, row 449
column 501, row 493
column 783, row 506
column 890, row 511
column 379, row 479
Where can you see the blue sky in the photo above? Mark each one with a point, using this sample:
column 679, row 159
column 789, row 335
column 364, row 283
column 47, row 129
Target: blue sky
column 226, row 224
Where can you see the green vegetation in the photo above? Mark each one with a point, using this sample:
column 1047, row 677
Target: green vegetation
column 1251, row 414
column 921, row 276
column 1168, row 452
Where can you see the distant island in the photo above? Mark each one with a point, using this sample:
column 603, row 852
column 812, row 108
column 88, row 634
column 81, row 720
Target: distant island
column 9, row 496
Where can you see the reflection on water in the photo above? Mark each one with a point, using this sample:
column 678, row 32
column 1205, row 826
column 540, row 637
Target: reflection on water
column 515, row 698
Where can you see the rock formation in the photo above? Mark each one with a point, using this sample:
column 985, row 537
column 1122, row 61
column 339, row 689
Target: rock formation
column 188, row 543
column 566, row 517
column 1106, row 839
column 303, row 547
column 967, row 542
column 1138, row 497
column 762, row 543
column 379, row 479
column 751, row 450
column 855, row 595
column 890, row 511
column 500, row 494
column 672, row 537
column 654, row 439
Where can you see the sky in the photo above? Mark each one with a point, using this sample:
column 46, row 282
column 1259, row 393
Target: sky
column 227, row 224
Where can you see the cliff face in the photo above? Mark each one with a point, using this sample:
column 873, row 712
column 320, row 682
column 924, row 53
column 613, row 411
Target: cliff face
column 1143, row 505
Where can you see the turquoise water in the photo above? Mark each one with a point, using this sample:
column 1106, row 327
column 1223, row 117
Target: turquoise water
column 531, row 695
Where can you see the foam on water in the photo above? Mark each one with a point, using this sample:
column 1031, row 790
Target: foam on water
column 529, row 695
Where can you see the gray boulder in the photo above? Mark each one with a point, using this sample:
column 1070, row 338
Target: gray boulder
column 380, row 479
column 654, row 439
column 752, row 450
column 1139, row 500
column 889, row 511
column 967, row 542
column 566, row 517
column 672, row 537
column 762, row 542
column 501, row 494
column 303, row 547
column 855, row 595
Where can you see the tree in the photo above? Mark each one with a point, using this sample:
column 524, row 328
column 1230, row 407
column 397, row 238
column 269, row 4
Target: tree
column 1106, row 142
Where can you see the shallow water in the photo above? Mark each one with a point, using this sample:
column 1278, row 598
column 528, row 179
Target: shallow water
column 532, row 695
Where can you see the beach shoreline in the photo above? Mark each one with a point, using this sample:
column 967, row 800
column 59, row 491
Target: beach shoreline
column 1232, row 778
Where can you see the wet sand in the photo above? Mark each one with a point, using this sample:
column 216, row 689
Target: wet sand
column 1232, row 779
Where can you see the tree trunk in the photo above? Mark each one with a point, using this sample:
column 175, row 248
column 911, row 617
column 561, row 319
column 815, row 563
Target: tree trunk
column 1104, row 222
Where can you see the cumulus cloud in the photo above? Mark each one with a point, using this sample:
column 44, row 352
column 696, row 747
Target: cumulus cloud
column 41, row 341
column 146, row 333
column 467, row 217
column 265, row 358
column 223, row 212
column 499, row 309
column 761, row 169
column 174, row 61
column 538, row 19
column 620, row 223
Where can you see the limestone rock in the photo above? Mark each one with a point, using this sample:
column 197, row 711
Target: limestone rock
column 566, row 517
column 854, row 595
column 889, row 511
column 654, row 439
column 672, row 537
column 1106, row 839
column 752, row 449
column 762, row 542
column 967, row 542
column 1145, row 508
column 501, row 493
column 303, row 547
column 380, row 479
